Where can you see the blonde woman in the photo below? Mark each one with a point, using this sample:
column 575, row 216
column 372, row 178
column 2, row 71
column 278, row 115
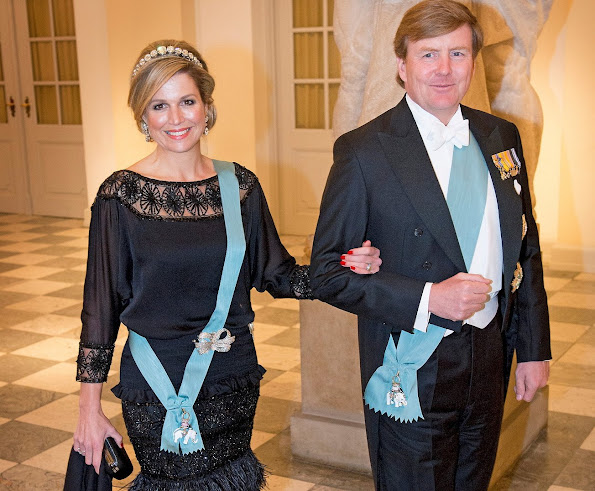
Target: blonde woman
column 167, row 260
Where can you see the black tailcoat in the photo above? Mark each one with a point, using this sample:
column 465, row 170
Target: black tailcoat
column 382, row 187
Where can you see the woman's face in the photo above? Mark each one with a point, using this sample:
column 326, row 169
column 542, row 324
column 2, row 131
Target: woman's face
column 176, row 114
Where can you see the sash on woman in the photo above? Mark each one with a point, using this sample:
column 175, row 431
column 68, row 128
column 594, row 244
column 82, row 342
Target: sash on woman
column 392, row 389
column 180, row 429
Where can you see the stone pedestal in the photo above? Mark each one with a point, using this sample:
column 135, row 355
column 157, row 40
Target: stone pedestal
column 330, row 427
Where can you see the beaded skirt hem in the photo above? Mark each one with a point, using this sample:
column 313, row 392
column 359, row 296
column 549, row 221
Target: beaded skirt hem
column 245, row 473
column 225, row 422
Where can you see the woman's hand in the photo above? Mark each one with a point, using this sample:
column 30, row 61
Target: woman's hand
column 93, row 426
column 362, row 260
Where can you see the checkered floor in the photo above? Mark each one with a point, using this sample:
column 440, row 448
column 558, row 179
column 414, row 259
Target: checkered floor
column 42, row 267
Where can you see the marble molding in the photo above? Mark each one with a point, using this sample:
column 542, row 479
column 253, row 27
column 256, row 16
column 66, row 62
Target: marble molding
column 330, row 430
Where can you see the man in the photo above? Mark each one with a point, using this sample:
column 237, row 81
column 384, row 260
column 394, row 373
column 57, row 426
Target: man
column 450, row 211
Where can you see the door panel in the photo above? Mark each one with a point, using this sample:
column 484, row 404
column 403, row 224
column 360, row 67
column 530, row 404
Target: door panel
column 14, row 194
column 48, row 71
column 58, row 189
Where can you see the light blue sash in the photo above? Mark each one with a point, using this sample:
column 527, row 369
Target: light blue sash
column 180, row 429
column 392, row 390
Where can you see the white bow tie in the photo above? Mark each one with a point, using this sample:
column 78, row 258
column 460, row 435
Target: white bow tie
column 457, row 133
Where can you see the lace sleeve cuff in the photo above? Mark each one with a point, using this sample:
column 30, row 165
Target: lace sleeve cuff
column 93, row 363
column 300, row 282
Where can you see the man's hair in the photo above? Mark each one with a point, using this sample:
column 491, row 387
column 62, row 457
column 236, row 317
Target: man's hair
column 433, row 18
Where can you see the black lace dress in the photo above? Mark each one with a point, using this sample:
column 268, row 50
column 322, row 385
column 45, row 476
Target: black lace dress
column 156, row 252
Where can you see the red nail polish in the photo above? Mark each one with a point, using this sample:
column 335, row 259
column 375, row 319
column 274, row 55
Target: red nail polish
column 352, row 267
column 350, row 252
column 342, row 263
column 343, row 256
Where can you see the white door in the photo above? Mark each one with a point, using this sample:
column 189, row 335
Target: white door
column 308, row 77
column 14, row 191
column 49, row 106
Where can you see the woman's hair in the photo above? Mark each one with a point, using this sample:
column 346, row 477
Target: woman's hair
column 158, row 62
column 433, row 18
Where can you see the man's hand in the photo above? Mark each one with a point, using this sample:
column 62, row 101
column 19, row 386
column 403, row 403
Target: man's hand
column 457, row 298
column 530, row 376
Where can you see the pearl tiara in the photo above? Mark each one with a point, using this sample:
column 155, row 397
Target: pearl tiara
column 166, row 51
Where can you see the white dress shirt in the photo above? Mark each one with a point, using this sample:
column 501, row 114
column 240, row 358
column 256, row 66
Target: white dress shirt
column 487, row 258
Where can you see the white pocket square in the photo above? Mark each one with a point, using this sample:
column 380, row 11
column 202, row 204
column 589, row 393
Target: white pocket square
column 517, row 187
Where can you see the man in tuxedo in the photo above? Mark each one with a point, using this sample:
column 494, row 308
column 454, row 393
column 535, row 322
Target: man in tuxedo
column 441, row 189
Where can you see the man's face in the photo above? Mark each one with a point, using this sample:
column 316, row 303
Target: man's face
column 437, row 71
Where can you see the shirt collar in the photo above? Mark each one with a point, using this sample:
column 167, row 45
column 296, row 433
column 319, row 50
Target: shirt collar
column 425, row 121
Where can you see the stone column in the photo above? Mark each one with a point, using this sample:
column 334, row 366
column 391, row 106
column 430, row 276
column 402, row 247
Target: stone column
column 330, row 427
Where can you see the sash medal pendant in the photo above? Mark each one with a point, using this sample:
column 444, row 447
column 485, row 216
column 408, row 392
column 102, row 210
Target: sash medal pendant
column 396, row 395
column 185, row 430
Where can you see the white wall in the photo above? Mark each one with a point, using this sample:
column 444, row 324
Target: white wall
column 224, row 37
column 96, row 93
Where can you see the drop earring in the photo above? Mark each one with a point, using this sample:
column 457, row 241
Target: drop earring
column 145, row 127
column 206, row 132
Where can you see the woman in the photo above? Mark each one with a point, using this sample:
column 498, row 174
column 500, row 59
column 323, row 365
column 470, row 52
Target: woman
column 167, row 261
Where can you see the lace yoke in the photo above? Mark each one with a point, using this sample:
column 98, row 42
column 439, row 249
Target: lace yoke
column 154, row 199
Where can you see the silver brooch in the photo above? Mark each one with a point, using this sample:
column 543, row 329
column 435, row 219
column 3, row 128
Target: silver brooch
column 213, row 341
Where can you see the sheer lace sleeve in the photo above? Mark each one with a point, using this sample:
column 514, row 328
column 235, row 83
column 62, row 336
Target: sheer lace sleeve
column 103, row 299
column 93, row 363
column 273, row 268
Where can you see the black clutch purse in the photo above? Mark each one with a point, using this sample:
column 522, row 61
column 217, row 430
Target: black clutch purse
column 117, row 462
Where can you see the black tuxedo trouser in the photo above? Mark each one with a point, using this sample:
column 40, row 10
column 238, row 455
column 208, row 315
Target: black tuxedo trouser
column 462, row 398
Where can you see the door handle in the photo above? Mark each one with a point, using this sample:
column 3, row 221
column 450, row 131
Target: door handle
column 11, row 105
column 27, row 107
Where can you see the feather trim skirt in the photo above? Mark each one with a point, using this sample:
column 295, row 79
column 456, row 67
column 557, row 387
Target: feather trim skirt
column 225, row 464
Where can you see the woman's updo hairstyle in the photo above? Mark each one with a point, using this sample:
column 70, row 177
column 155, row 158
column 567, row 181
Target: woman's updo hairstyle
column 158, row 62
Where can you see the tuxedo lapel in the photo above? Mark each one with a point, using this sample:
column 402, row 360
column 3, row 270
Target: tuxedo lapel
column 407, row 155
column 509, row 202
